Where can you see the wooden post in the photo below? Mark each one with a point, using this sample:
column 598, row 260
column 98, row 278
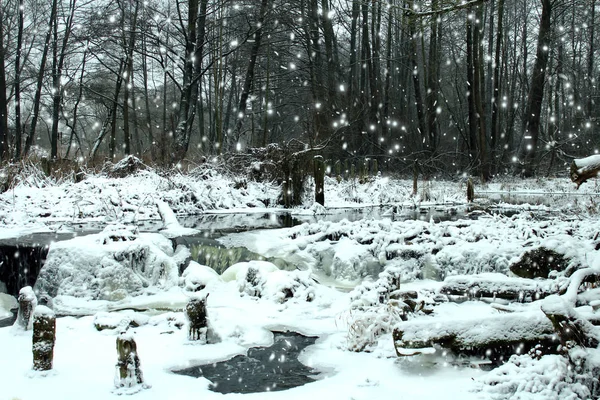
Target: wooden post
column 27, row 303
column 375, row 167
column 363, row 170
column 44, row 337
column 319, row 170
column 195, row 311
column 129, row 373
column 346, row 169
column 352, row 171
column 415, row 177
column 338, row 171
column 470, row 191
column 286, row 194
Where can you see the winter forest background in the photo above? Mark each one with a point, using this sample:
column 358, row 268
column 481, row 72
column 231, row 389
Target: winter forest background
column 482, row 87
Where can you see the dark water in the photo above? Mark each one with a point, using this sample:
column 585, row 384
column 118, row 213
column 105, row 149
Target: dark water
column 8, row 321
column 264, row 369
column 22, row 258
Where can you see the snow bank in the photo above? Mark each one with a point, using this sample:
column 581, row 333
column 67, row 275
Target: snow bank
column 111, row 265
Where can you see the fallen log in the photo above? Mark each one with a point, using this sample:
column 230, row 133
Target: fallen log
column 495, row 337
column 584, row 168
column 499, row 286
column 570, row 327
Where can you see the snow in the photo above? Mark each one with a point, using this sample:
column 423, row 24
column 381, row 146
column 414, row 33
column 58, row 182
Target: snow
column 196, row 277
column 111, row 265
column 587, row 162
column 123, row 278
column 85, row 358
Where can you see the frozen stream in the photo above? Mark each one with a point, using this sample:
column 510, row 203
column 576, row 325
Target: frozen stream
column 263, row 369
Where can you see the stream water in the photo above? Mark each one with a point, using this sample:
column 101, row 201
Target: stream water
column 263, row 369
column 21, row 258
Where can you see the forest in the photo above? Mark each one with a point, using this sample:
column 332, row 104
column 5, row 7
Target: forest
column 482, row 87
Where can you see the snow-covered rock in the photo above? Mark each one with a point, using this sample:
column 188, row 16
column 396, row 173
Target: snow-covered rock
column 239, row 270
column 196, row 277
column 111, row 265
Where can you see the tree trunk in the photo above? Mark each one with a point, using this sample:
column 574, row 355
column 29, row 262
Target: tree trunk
column 536, row 93
column 249, row 80
column 472, row 110
column 4, row 151
column 57, row 68
column 17, row 87
column 496, row 94
column 413, row 54
column 40, row 81
column 194, row 46
column 431, row 96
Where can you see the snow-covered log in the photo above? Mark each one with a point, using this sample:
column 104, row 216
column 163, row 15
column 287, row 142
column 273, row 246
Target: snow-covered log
column 584, row 168
column 499, row 286
column 571, row 328
column 497, row 335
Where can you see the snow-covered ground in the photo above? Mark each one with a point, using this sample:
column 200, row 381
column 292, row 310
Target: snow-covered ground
column 329, row 284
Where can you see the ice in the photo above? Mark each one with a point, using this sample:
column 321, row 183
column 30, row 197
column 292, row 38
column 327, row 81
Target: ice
column 114, row 264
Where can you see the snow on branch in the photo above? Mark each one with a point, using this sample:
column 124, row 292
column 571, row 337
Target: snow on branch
column 454, row 7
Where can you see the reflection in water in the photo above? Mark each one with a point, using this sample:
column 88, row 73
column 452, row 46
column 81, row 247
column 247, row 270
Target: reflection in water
column 264, row 369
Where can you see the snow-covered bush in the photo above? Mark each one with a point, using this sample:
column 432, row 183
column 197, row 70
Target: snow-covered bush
column 375, row 308
column 376, row 293
column 523, row 377
column 368, row 324
column 264, row 280
column 110, row 265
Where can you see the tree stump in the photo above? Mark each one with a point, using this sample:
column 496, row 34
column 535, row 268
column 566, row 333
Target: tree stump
column 44, row 337
column 195, row 311
column 319, row 168
column 129, row 373
column 27, row 303
column 470, row 191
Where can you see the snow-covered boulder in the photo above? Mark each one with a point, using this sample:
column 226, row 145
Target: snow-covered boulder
column 281, row 286
column 196, row 276
column 110, row 265
column 240, row 270
column 263, row 279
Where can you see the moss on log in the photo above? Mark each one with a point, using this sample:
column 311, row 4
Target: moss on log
column 129, row 371
column 195, row 311
column 44, row 337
